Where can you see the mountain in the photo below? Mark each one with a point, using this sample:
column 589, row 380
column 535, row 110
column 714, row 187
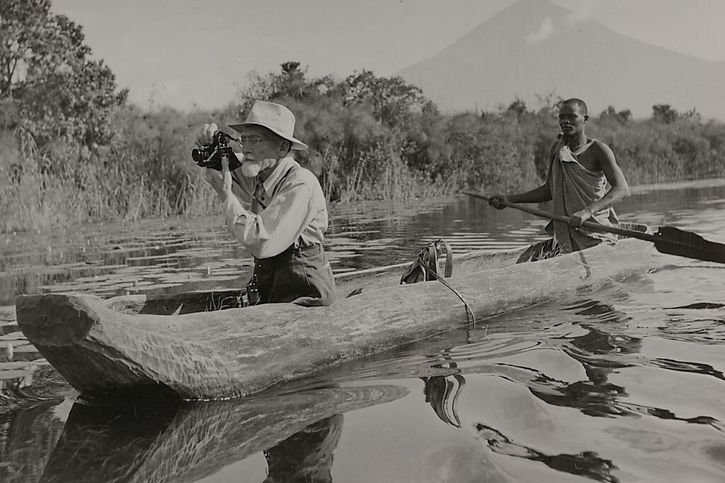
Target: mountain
column 534, row 48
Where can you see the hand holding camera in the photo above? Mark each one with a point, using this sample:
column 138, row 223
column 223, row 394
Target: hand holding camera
column 213, row 145
column 222, row 184
column 206, row 135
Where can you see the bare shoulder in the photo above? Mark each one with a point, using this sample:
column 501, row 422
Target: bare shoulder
column 554, row 148
column 604, row 158
column 601, row 147
column 597, row 157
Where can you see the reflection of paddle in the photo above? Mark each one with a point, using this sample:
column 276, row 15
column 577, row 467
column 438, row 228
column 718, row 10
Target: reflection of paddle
column 668, row 239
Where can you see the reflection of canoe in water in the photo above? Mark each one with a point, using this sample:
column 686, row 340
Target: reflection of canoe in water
column 191, row 441
column 28, row 436
column 124, row 347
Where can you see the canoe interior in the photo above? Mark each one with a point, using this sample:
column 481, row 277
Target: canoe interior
column 163, row 303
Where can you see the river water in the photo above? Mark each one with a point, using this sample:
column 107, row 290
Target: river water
column 622, row 384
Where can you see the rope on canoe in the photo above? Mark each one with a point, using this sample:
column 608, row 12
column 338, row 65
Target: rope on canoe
column 432, row 274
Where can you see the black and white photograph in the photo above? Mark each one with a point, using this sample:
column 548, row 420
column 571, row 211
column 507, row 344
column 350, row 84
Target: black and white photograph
column 391, row 241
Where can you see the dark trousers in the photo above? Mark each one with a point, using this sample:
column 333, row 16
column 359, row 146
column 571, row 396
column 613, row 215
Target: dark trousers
column 298, row 275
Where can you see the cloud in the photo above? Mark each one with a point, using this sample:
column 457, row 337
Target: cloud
column 546, row 30
column 583, row 11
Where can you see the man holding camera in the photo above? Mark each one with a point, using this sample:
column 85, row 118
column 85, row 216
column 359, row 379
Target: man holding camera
column 275, row 208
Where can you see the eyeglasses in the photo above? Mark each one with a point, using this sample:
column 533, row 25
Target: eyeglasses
column 252, row 140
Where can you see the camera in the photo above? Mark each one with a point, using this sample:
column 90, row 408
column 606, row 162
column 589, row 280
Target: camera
column 210, row 155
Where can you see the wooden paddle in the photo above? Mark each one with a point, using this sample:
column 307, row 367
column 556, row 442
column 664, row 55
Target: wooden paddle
column 668, row 239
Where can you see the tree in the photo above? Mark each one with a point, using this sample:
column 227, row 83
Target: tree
column 692, row 115
column 46, row 72
column 664, row 113
column 518, row 107
column 291, row 83
column 622, row 117
column 392, row 99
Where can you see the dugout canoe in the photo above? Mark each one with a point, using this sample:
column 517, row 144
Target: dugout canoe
column 139, row 346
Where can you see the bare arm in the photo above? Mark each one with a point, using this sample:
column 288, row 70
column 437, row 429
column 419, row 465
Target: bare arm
column 536, row 195
column 615, row 177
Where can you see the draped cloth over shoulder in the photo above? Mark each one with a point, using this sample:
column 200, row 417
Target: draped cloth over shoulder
column 574, row 187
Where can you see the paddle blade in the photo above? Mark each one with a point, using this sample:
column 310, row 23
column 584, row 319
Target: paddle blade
column 674, row 241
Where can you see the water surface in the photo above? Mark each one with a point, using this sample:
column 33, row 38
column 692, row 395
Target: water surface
column 623, row 384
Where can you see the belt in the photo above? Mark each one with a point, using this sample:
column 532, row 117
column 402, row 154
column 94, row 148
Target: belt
column 287, row 255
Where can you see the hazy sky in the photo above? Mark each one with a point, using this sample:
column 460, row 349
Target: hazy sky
column 199, row 52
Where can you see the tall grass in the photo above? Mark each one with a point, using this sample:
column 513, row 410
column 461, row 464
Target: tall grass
column 63, row 186
column 147, row 172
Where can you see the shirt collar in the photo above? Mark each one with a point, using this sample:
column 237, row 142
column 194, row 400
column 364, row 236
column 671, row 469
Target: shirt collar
column 273, row 179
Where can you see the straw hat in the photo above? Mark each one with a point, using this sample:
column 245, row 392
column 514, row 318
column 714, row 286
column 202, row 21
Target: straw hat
column 274, row 117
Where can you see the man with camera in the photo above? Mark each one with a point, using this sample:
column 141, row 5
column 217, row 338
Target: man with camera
column 274, row 207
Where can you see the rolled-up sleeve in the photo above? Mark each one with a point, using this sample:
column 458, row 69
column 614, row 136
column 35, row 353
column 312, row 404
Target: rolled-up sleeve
column 276, row 227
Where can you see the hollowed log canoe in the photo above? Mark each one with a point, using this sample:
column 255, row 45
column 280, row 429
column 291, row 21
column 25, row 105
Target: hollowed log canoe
column 141, row 346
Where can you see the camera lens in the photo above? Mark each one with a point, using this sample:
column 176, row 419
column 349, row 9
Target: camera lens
column 198, row 155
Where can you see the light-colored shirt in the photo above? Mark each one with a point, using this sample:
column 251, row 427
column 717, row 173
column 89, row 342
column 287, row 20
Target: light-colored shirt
column 287, row 208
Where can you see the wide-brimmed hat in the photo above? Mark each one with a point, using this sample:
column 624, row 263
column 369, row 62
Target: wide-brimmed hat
column 274, row 117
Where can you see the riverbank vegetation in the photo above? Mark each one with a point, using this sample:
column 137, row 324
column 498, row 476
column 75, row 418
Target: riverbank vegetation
column 73, row 150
